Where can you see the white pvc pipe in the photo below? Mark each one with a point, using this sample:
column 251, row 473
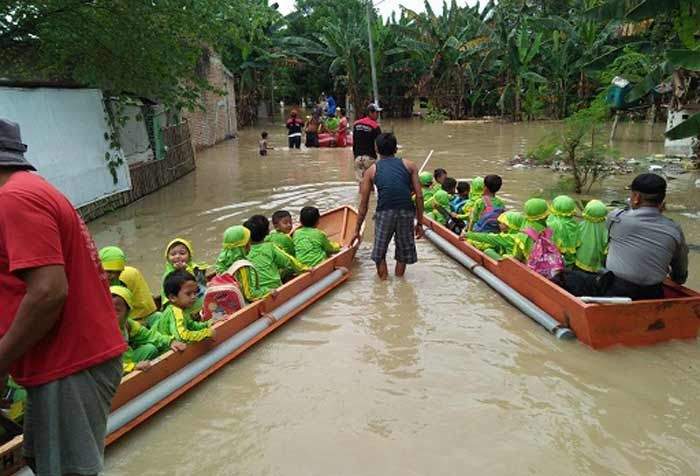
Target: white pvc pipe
column 526, row 306
column 605, row 300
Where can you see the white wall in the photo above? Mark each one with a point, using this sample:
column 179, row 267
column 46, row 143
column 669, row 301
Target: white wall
column 64, row 130
column 133, row 137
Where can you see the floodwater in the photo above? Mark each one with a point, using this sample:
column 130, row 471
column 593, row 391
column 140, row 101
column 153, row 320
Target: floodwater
column 434, row 374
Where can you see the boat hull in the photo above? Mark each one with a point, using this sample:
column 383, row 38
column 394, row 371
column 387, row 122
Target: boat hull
column 339, row 224
column 597, row 325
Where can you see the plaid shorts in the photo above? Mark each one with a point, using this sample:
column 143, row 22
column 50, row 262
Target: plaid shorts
column 400, row 225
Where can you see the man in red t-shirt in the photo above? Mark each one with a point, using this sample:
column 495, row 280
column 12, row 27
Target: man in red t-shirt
column 364, row 134
column 60, row 337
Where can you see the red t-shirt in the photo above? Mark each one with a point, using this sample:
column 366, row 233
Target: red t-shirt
column 40, row 227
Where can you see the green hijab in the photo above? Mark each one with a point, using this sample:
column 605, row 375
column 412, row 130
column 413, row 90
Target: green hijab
column 536, row 212
column 426, row 178
column 513, row 220
column 563, row 226
column 112, row 258
column 442, row 199
column 476, row 189
column 235, row 240
column 592, row 237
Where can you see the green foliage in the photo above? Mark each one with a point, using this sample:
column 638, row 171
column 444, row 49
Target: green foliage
column 586, row 155
column 435, row 114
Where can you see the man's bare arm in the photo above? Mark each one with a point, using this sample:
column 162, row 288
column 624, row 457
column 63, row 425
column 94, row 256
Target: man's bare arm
column 47, row 289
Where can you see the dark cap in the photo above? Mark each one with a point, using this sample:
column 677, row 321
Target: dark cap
column 11, row 147
column 650, row 184
column 373, row 107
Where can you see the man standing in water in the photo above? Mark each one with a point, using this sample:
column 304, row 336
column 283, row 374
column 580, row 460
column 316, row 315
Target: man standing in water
column 60, row 337
column 364, row 134
column 396, row 180
column 294, row 126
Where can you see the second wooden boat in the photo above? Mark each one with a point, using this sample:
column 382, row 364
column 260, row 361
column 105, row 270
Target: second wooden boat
column 638, row 323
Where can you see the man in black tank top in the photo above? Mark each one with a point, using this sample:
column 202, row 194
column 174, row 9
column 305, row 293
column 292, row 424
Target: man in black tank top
column 396, row 181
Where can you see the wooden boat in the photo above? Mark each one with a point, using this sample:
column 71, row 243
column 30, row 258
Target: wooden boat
column 338, row 223
column 638, row 323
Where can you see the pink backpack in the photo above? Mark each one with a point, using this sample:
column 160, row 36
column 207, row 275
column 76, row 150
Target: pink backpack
column 545, row 258
column 223, row 296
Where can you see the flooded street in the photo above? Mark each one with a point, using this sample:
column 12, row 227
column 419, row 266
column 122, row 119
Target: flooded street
column 434, row 374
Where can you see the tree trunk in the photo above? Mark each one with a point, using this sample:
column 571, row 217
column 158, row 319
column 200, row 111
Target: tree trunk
column 518, row 114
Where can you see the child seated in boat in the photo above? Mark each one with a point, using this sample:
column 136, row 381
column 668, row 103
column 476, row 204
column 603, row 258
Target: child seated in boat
column 144, row 344
column 564, row 227
column 497, row 245
column 476, row 190
column 144, row 308
column 311, row 244
column 179, row 255
column 268, row 259
column 536, row 213
column 181, row 290
column 439, row 176
column 426, row 183
column 461, row 198
column 592, row 238
column 282, row 222
column 440, row 207
column 488, row 207
column 235, row 248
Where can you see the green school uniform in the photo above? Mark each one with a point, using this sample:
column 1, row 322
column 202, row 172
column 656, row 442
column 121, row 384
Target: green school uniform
column 235, row 240
column 476, row 190
column 441, row 199
column 282, row 241
column 592, row 237
column 270, row 261
column 313, row 246
column 197, row 270
column 498, row 243
column 144, row 344
column 175, row 324
column 536, row 212
column 564, row 227
column 479, row 207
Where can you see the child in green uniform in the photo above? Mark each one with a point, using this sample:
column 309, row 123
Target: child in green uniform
column 476, row 190
column 179, row 254
column 181, row 290
column 498, row 244
column 441, row 200
column 426, row 183
column 311, row 244
column 536, row 212
column 488, row 207
column 592, row 237
column 268, row 259
column 282, row 221
column 144, row 344
column 235, row 248
column 564, row 227
column 118, row 273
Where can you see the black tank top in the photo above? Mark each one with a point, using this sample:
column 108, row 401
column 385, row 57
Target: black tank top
column 393, row 181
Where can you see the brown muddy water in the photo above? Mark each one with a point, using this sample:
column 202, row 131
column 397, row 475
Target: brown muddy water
column 434, row 374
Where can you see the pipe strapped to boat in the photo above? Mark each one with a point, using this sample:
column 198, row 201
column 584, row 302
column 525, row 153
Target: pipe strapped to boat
column 511, row 295
column 128, row 412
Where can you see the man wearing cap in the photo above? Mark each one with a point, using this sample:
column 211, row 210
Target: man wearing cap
column 60, row 337
column 644, row 248
column 364, row 132
column 294, row 126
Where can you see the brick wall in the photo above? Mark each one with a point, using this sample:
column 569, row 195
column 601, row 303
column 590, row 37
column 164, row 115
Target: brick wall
column 218, row 119
column 147, row 177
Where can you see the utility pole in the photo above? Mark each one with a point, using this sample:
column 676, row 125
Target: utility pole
column 370, row 6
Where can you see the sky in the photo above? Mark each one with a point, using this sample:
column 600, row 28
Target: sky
column 385, row 7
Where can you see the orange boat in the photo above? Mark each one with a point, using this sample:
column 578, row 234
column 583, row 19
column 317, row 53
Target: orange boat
column 167, row 378
column 637, row 323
